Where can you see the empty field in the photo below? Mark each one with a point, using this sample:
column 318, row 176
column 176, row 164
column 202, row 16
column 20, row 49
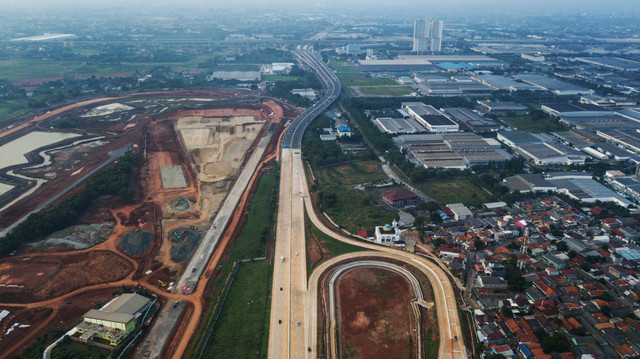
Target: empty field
column 455, row 191
column 359, row 80
column 386, row 90
column 526, row 122
column 351, row 173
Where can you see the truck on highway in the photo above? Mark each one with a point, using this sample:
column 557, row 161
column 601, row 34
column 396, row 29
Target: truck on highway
column 282, row 259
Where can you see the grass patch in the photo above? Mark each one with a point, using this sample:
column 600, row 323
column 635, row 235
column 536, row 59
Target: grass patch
column 69, row 349
column 343, row 69
column 354, row 210
column 252, row 241
column 528, row 123
column 351, row 173
column 331, row 247
column 431, row 345
column 250, row 244
column 359, row 80
column 386, row 91
column 455, row 191
column 242, row 330
column 274, row 78
column 12, row 109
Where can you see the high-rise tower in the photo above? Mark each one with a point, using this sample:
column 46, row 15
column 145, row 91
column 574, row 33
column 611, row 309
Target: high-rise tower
column 436, row 36
column 421, row 31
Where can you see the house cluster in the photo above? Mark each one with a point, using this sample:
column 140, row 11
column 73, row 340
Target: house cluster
column 540, row 269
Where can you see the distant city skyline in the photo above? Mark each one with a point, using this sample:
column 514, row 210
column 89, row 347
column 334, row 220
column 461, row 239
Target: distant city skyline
column 427, row 35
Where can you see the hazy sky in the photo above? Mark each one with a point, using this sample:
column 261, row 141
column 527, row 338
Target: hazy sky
column 607, row 6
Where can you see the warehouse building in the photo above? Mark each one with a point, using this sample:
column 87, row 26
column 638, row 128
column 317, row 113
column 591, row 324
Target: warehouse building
column 460, row 211
column 116, row 320
column 453, row 87
column 399, row 65
column 501, row 107
column 573, row 109
column 398, row 125
column 429, row 117
column 629, row 185
column 558, row 87
column 630, row 141
column 504, row 83
column 452, row 150
column 615, row 63
column 470, row 120
column 517, row 138
column 551, row 153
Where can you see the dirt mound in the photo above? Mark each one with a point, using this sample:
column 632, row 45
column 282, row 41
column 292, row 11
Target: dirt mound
column 184, row 241
column 78, row 237
column 180, row 204
column 135, row 242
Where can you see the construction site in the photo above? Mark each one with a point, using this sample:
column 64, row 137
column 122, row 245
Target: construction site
column 188, row 147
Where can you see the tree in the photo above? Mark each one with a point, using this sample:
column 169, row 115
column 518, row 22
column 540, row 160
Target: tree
column 562, row 246
column 556, row 342
column 506, row 311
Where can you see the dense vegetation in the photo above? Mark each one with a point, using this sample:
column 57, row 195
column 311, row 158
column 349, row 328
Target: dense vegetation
column 282, row 89
column 111, row 181
column 34, row 351
column 323, row 153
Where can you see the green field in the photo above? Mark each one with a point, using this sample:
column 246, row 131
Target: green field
column 360, row 80
column 252, row 241
column 454, row 191
column 526, row 122
column 11, row 110
column 352, row 209
column 69, row 349
column 351, row 173
column 333, row 246
column 19, row 69
column 386, row 91
column 242, row 330
column 346, row 69
column 274, row 78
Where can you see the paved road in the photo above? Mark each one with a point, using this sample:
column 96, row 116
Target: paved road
column 291, row 301
column 200, row 258
column 331, row 84
column 113, row 155
column 158, row 337
column 446, row 306
column 286, row 339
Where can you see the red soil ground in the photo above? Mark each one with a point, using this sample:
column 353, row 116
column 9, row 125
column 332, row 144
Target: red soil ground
column 48, row 276
column 374, row 314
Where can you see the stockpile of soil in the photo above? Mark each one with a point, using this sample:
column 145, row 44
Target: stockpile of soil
column 184, row 241
column 79, row 237
column 135, row 242
column 180, row 204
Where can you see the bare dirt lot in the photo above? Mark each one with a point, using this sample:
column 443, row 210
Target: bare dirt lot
column 47, row 276
column 217, row 145
column 374, row 314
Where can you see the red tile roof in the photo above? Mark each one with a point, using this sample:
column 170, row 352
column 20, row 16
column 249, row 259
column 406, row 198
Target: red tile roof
column 399, row 194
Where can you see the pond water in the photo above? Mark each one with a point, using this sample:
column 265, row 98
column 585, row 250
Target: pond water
column 13, row 152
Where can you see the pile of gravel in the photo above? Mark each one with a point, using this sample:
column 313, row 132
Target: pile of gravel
column 184, row 246
column 81, row 236
column 135, row 242
column 180, row 204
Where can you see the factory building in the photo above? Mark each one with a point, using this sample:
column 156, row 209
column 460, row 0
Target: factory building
column 404, row 65
column 517, row 138
column 116, row 320
column 432, row 119
column 471, row 120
